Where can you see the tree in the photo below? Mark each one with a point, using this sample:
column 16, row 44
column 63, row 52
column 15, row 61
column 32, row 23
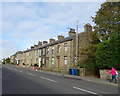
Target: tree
column 107, row 20
column 7, row 60
column 3, row 61
column 108, row 54
column 88, row 57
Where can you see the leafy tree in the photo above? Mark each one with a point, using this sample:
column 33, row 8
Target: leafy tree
column 107, row 20
column 7, row 60
column 108, row 53
column 107, row 28
column 3, row 61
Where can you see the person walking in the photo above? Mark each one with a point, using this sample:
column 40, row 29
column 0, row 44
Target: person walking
column 114, row 73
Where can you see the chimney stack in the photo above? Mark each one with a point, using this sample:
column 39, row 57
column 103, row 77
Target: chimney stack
column 32, row 47
column 72, row 32
column 60, row 37
column 51, row 40
column 45, row 42
column 35, row 46
column 39, row 43
column 87, row 28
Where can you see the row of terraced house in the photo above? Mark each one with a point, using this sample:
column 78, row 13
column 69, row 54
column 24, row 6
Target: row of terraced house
column 57, row 54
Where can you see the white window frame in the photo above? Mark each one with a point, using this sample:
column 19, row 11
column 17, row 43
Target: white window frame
column 65, row 60
column 43, row 51
column 40, row 52
column 59, row 48
column 52, row 49
column 48, row 50
column 52, row 60
column 36, row 52
column 43, row 60
column 65, row 47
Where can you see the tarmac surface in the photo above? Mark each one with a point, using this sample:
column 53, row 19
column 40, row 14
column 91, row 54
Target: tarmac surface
column 46, row 82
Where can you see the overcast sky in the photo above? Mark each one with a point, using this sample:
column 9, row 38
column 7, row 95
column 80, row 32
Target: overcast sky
column 26, row 23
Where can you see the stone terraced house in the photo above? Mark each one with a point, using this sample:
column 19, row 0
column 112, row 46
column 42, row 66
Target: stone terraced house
column 56, row 55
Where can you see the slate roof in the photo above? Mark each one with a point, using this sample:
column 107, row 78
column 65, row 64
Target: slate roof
column 53, row 43
column 57, row 42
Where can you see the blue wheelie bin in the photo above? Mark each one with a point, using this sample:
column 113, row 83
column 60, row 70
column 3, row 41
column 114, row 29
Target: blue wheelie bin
column 73, row 71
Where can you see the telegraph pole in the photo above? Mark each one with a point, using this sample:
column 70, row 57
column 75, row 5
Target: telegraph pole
column 77, row 42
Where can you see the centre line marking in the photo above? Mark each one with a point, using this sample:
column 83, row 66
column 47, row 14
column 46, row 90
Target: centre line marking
column 49, row 79
column 86, row 91
column 31, row 74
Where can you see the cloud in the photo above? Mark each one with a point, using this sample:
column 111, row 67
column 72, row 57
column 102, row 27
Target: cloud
column 8, row 48
column 18, row 11
column 53, row 0
column 24, row 24
column 0, row 19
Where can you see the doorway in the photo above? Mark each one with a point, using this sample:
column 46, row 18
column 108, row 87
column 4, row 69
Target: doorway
column 58, row 62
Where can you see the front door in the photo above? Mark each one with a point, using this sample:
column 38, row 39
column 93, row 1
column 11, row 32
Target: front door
column 39, row 62
column 58, row 62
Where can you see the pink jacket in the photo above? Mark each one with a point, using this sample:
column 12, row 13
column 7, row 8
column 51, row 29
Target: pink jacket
column 113, row 71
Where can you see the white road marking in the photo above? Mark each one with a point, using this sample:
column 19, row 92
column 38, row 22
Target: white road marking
column 86, row 91
column 31, row 74
column 49, row 79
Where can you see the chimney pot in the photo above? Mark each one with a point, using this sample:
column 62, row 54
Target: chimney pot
column 51, row 40
column 72, row 32
column 60, row 37
column 35, row 46
column 88, row 28
column 32, row 47
column 45, row 42
column 39, row 43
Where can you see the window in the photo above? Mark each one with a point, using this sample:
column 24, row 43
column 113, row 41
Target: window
column 44, row 51
column 65, row 60
column 65, row 46
column 47, row 61
column 40, row 52
column 53, row 49
column 59, row 48
column 52, row 60
column 75, row 59
column 48, row 50
column 36, row 60
column 36, row 52
column 43, row 61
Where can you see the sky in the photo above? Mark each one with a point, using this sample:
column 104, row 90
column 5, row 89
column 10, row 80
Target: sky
column 24, row 22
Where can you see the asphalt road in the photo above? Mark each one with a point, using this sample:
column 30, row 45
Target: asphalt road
column 17, row 80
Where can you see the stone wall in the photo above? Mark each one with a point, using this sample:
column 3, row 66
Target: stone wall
column 104, row 74
column 82, row 71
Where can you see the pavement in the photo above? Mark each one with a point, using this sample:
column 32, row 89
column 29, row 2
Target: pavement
column 86, row 78
column 93, row 79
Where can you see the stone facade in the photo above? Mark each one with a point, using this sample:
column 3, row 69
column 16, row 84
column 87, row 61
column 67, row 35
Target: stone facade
column 12, row 58
column 57, row 54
